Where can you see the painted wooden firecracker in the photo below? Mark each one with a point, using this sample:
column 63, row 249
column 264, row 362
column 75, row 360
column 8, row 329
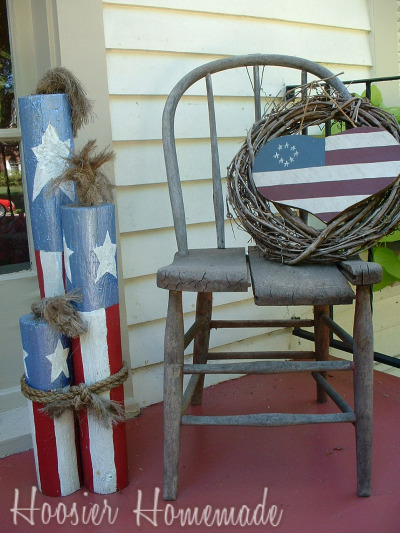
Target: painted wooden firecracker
column 47, row 142
column 327, row 176
column 48, row 366
column 91, row 265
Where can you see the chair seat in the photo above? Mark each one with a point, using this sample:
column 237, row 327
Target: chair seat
column 207, row 270
column 309, row 284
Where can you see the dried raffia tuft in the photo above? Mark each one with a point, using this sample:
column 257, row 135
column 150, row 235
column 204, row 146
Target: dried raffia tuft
column 60, row 314
column 283, row 235
column 92, row 185
column 60, row 80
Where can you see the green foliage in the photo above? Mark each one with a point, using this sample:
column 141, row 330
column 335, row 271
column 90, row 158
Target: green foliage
column 6, row 77
column 390, row 264
column 14, row 179
column 381, row 254
column 376, row 97
column 392, row 237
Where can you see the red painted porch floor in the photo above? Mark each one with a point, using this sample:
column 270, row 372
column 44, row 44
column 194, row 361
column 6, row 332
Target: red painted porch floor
column 307, row 471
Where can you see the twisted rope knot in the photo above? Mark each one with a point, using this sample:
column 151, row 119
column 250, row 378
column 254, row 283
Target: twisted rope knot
column 78, row 397
column 82, row 397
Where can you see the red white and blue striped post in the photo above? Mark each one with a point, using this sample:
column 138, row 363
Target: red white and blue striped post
column 48, row 366
column 91, row 265
column 47, row 143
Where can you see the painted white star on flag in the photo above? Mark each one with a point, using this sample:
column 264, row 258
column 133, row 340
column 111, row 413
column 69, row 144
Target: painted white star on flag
column 67, row 254
column 106, row 254
column 58, row 361
column 25, row 356
column 52, row 157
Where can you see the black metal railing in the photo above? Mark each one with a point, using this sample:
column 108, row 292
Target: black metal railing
column 304, row 334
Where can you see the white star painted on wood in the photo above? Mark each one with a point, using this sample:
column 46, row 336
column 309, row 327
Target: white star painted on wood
column 51, row 157
column 67, row 254
column 58, row 361
column 106, row 256
column 25, row 356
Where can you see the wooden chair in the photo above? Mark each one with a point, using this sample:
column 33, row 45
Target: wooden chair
column 220, row 269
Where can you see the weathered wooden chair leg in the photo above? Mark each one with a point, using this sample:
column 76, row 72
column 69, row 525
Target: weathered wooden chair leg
column 321, row 336
column 363, row 387
column 201, row 341
column 173, row 384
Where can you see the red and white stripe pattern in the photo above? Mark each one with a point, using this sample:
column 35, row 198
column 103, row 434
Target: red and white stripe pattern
column 54, row 444
column 90, row 257
column 97, row 355
column 48, row 366
column 327, row 176
column 50, row 272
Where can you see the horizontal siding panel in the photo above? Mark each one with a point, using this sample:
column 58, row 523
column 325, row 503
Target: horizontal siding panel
column 143, row 253
column 154, row 73
column 176, row 31
column 148, row 207
column 310, row 11
column 142, row 162
column 145, row 302
column 139, row 118
column 146, row 353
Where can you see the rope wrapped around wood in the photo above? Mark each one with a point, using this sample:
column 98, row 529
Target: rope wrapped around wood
column 82, row 396
column 283, row 235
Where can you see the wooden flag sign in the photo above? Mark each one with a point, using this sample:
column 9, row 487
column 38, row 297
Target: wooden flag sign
column 325, row 176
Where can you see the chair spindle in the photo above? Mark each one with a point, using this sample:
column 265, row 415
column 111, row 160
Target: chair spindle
column 257, row 92
column 216, row 172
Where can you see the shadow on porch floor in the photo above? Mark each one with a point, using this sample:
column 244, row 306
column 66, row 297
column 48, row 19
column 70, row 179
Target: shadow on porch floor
column 307, row 472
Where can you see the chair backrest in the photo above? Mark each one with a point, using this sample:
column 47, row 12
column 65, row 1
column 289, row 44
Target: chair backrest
column 168, row 131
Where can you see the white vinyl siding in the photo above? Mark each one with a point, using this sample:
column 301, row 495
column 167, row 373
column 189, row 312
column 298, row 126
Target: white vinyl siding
column 150, row 45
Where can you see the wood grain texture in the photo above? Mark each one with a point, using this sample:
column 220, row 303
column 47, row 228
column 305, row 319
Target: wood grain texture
column 267, row 367
column 363, row 352
column 278, row 284
column 322, row 339
column 273, row 354
column 173, row 389
column 360, row 272
column 202, row 340
column 267, row 419
column 208, row 270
